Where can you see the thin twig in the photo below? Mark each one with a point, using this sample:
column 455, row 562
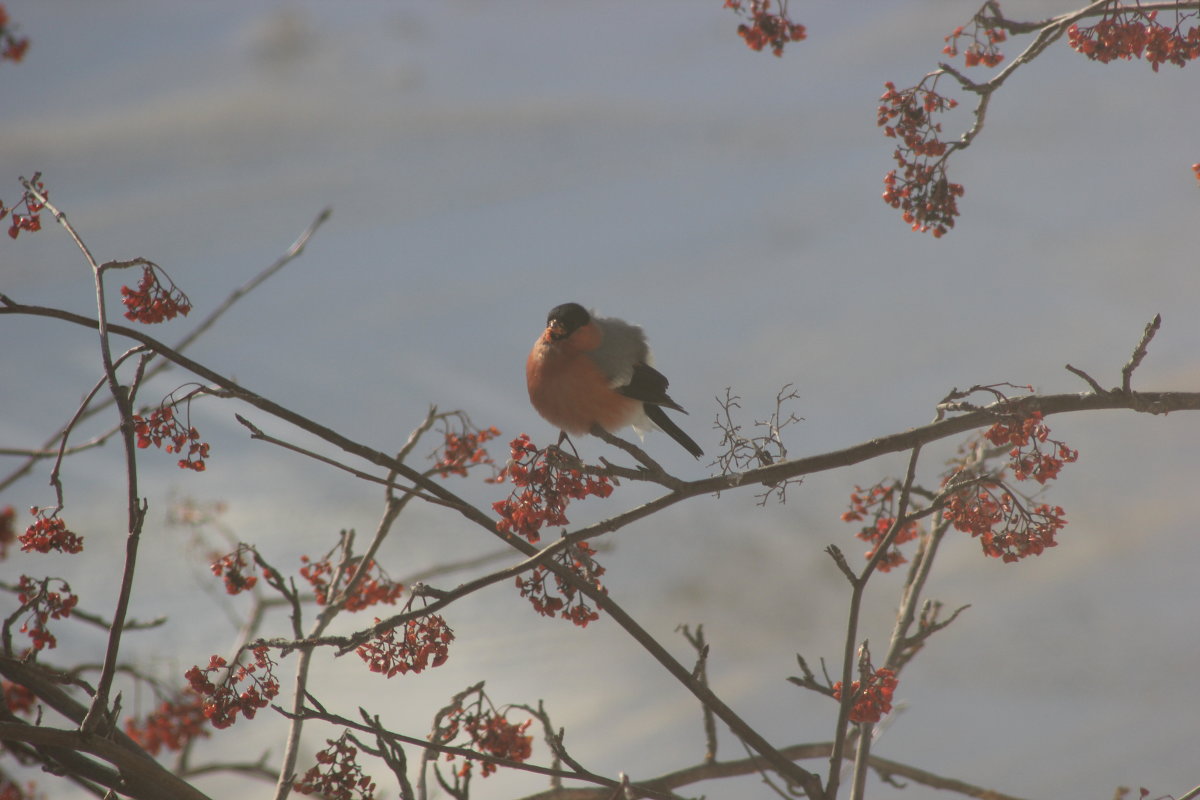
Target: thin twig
column 393, row 506
column 771, row 473
column 465, row 752
column 1139, row 353
column 1150, row 402
column 858, row 585
column 653, row 470
column 99, row 716
column 700, row 673
column 33, row 455
column 1096, row 387
column 731, row 769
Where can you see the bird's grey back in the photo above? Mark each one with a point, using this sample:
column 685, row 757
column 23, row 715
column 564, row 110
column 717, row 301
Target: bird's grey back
column 624, row 346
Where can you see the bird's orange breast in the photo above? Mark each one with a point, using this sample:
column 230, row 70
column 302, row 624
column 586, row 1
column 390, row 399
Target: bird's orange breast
column 569, row 390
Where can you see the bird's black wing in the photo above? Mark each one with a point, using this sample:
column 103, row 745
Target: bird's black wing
column 648, row 385
column 660, row 418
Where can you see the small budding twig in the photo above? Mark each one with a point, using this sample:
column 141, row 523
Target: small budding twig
column 700, row 673
column 741, row 453
column 1139, row 352
column 1135, row 360
column 653, row 470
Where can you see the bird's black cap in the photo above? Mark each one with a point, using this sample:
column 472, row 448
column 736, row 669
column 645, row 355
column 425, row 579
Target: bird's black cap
column 571, row 316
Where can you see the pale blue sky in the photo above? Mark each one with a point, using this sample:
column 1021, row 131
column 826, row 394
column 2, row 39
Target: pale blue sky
column 486, row 161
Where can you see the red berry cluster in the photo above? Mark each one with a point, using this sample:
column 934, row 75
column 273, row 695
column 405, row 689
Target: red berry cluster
column 1022, row 531
column 42, row 605
column 337, row 774
column 464, row 449
column 982, row 49
column 548, row 486
column 1027, row 436
column 17, row 698
column 152, row 302
column 11, row 790
column 1007, row 528
column 878, row 504
column 49, row 533
column 221, row 700
column 14, row 46
column 487, row 729
column 8, row 534
column 424, row 643
column 170, row 726
column 236, row 569
column 1133, row 33
column 496, row 736
column 873, row 700
column 371, row 589
column 28, row 218
column 766, row 29
column 921, row 190
column 565, row 600
column 162, row 426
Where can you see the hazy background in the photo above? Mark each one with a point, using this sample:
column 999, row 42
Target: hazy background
column 486, row 161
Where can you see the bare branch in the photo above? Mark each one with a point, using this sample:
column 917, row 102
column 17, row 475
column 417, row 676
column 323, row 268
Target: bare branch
column 462, row 752
column 1096, row 387
column 33, row 455
column 1139, row 353
column 653, row 471
column 700, row 673
column 732, row 769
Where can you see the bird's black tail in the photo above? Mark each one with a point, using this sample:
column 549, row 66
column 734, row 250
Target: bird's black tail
column 660, row 418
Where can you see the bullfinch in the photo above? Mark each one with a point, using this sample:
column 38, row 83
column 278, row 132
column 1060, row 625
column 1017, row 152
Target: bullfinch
column 586, row 370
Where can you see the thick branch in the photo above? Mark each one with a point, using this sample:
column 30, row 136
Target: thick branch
column 720, row 770
column 1148, row 402
column 137, row 775
column 1153, row 402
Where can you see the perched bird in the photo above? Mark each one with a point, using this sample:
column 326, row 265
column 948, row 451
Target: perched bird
column 586, row 370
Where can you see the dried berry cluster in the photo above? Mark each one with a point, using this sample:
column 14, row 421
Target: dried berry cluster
column 152, row 302
column 337, row 774
column 485, row 728
column 976, row 499
column 548, row 484
column 464, row 449
column 985, row 507
column 982, row 35
column 26, row 214
column 564, row 597
column 236, row 569
column 919, row 187
column 374, row 587
column 40, row 604
column 8, row 532
column 221, row 699
column 170, row 726
column 49, row 533
column 878, row 504
column 1130, row 33
column 13, row 46
column 423, row 643
column 163, row 426
column 872, row 700
column 763, row 28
